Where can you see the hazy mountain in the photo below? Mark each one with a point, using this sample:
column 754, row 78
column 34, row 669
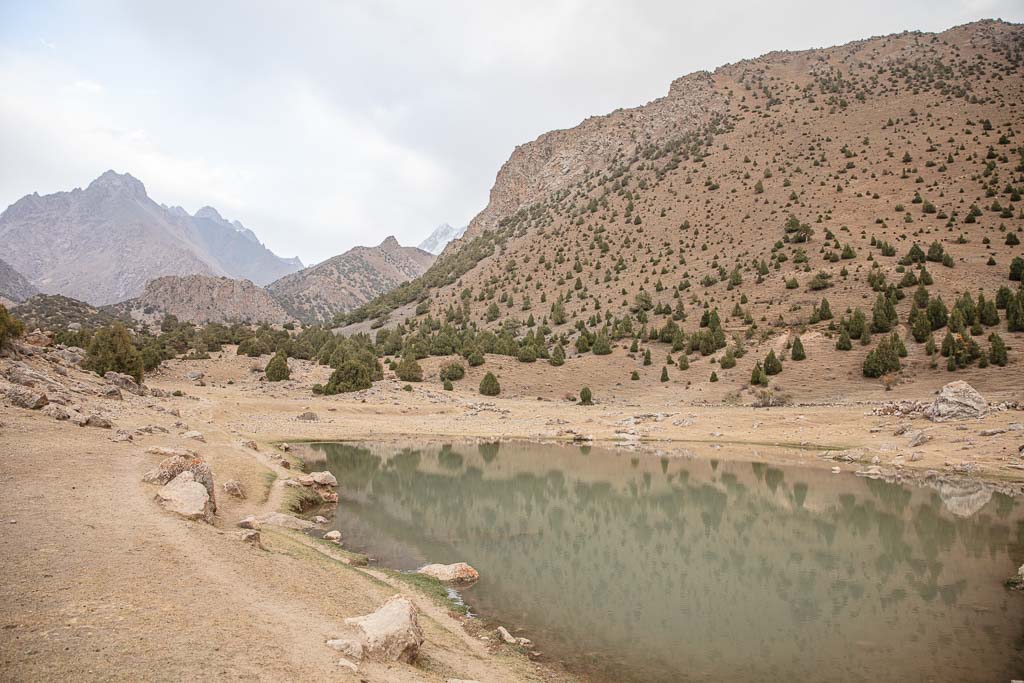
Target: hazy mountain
column 14, row 286
column 104, row 243
column 238, row 250
column 201, row 299
column 439, row 239
column 349, row 280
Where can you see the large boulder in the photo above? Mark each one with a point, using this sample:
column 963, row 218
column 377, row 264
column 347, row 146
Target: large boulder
column 186, row 497
column 126, row 382
column 391, row 634
column 20, row 397
column 169, row 468
column 957, row 401
column 460, row 572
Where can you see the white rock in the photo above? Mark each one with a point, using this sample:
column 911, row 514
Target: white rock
column 957, row 401
column 460, row 572
column 186, row 497
column 392, row 633
column 507, row 637
column 194, row 435
column 323, row 478
column 334, row 535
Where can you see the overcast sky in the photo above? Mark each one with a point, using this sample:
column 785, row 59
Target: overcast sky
column 323, row 125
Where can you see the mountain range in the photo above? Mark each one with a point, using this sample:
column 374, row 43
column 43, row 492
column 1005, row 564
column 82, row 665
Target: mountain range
column 104, row 243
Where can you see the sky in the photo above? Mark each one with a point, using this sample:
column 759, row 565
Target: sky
column 325, row 125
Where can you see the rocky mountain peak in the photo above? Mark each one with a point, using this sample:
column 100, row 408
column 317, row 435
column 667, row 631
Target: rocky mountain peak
column 209, row 212
column 113, row 183
column 389, row 243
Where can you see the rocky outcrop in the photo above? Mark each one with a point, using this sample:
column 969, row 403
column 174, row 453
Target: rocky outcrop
column 186, row 497
column 391, row 634
column 202, row 299
column 561, row 158
column 957, row 401
column 349, row 280
column 460, row 572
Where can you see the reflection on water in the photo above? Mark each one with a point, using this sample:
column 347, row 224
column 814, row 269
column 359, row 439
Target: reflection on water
column 638, row 569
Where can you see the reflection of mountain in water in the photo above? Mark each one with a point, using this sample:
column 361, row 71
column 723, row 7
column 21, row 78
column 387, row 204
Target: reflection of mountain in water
column 719, row 570
column 964, row 499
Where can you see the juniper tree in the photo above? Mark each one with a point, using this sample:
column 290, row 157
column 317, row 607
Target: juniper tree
column 997, row 350
column 797, row 352
column 277, row 369
column 489, row 385
column 772, row 364
column 111, row 348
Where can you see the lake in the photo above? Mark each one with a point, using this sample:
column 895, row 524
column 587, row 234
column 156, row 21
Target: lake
column 630, row 567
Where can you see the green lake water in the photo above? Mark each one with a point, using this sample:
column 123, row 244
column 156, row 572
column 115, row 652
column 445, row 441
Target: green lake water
column 630, row 567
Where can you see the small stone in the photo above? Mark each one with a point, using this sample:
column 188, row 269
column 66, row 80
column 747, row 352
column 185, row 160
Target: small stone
column 234, row 488
column 345, row 663
column 836, row 470
column 249, row 522
column 250, row 445
column 506, row 637
column 194, row 435
column 320, row 519
column 333, row 536
column 308, row 416
column 252, row 537
column 122, row 435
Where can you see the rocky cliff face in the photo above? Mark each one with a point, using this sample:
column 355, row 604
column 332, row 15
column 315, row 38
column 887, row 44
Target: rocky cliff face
column 14, row 286
column 562, row 158
column 349, row 280
column 104, row 243
column 202, row 299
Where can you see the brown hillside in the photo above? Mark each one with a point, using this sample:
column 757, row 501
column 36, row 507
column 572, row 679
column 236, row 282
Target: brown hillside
column 899, row 140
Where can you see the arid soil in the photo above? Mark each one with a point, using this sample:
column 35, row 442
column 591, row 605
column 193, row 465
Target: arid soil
column 98, row 582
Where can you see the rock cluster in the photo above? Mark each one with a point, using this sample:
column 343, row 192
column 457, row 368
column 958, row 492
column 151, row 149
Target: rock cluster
column 186, row 497
column 170, row 467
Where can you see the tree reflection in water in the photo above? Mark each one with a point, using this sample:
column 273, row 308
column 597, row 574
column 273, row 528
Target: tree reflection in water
column 648, row 569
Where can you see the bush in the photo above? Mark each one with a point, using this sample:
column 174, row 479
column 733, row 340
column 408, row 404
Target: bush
column 601, row 346
column 997, row 353
column 797, row 353
column 112, row 349
column 475, row 359
column 772, row 364
column 452, row 372
column 10, row 327
column 409, row 370
column 350, row 376
column 844, row 343
column 714, row 376
column 489, row 385
column 728, row 360
column 277, row 368
column 634, row 375
column 448, row 386
column 586, row 398
column 664, row 373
